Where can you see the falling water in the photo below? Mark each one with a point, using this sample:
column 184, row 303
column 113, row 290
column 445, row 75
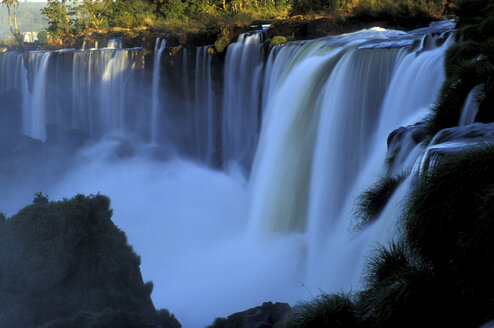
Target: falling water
column 471, row 106
column 12, row 70
column 34, row 123
column 205, row 111
column 156, row 92
column 308, row 126
column 324, row 136
column 241, row 99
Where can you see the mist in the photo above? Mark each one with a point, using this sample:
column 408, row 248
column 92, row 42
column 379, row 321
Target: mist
column 187, row 222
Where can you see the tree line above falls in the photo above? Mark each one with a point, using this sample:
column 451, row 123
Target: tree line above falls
column 69, row 19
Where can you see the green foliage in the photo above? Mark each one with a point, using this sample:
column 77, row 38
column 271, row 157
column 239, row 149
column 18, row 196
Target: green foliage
column 468, row 63
column 75, row 17
column 42, row 37
column 305, row 6
column 421, row 9
column 372, row 202
column 173, row 9
column 440, row 273
column 336, row 310
column 221, row 43
column 40, row 198
column 67, row 260
column 276, row 40
column 92, row 14
column 132, row 14
column 451, row 203
column 59, row 15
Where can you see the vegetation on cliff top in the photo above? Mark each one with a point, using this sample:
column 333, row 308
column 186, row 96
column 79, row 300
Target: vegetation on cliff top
column 68, row 19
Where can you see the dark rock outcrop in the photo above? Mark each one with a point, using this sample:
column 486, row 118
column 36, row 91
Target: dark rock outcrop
column 265, row 316
column 65, row 264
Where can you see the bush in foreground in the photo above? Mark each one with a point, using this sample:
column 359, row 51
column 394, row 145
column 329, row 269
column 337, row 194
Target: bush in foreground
column 65, row 264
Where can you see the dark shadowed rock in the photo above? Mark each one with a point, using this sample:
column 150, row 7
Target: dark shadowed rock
column 264, row 316
column 65, row 264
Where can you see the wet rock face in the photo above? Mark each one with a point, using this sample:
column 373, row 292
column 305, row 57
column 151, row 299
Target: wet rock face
column 400, row 143
column 61, row 259
column 449, row 142
column 265, row 316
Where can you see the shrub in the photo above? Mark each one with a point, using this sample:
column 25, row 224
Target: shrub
column 221, row 43
column 449, row 223
column 42, row 36
column 468, row 63
column 336, row 310
column 50, row 248
column 372, row 202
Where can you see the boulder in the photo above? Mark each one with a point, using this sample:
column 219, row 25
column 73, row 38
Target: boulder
column 265, row 316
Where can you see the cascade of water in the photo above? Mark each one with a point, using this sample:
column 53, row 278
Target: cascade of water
column 12, row 72
column 87, row 89
column 99, row 90
column 205, row 125
column 241, row 99
column 471, row 106
column 328, row 115
column 115, row 43
column 34, row 120
column 156, row 94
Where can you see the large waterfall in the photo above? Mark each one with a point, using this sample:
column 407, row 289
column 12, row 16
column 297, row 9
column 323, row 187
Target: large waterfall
column 236, row 185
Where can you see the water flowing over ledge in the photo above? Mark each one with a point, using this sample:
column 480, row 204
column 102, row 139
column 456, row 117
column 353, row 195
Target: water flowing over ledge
column 285, row 144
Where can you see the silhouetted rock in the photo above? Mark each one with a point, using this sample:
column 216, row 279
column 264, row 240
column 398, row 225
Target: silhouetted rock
column 265, row 316
column 65, row 264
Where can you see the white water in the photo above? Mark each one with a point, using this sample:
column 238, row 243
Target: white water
column 323, row 142
column 156, row 92
column 34, row 123
column 214, row 242
column 471, row 106
column 205, row 102
column 241, row 105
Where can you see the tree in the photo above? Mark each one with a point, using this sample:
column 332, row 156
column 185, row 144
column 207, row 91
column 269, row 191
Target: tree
column 93, row 13
column 59, row 16
column 12, row 6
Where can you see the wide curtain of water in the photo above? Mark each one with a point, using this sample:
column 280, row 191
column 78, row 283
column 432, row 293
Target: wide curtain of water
column 240, row 187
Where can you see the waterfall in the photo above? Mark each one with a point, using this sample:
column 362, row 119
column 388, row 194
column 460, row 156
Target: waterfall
column 34, row 123
column 156, row 92
column 115, row 43
column 471, row 106
column 241, row 99
column 83, row 90
column 12, row 72
column 308, row 127
column 329, row 112
column 204, row 116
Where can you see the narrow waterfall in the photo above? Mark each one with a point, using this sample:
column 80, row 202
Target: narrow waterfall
column 205, row 110
column 470, row 107
column 35, row 112
column 12, row 72
column 156, row 92
column 241, row 99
